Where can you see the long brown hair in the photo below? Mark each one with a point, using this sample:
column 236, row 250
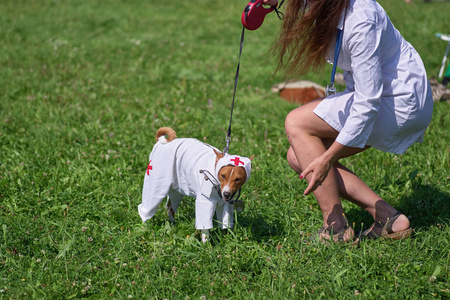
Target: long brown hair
column 306, row 34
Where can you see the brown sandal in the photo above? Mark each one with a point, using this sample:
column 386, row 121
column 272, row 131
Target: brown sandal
column 335, row 236
column 386, row 230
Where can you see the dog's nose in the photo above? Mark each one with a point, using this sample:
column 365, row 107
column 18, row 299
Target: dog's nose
column 226, row 194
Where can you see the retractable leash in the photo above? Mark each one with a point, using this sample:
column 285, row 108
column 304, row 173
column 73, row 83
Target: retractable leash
column 251, row 19
column 254, row 14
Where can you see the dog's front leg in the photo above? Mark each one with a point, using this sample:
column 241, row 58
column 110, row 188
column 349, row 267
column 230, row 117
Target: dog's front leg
column 204, row 213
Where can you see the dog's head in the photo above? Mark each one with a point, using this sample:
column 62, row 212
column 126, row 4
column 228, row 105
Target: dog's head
column 232, row 171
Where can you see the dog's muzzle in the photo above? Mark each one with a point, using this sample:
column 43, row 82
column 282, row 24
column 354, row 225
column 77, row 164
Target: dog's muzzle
column 232, row 198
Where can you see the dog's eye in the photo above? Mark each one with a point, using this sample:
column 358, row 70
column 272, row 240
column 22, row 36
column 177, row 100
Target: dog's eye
column 222, row 176
column 237, row 179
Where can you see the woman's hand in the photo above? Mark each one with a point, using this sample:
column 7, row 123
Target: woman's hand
column 319, row 169
column 270, row 2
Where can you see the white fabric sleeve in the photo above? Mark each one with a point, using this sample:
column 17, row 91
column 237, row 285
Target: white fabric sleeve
column 224, row 215
column 363, row 43
column 204, row 212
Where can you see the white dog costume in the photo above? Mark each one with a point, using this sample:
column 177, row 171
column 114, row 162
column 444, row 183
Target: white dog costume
column 174, row 171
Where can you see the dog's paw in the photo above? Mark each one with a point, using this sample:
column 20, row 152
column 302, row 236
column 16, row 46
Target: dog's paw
column 205, row 236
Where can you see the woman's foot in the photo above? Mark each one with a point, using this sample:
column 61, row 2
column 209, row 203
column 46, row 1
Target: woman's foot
column 345, row 234
column 395, row 228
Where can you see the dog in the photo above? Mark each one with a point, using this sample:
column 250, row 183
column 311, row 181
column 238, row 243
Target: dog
column 188, row 167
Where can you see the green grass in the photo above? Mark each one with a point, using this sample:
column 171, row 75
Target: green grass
column 83, row 87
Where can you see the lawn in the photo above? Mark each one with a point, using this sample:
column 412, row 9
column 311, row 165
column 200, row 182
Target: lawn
column 84, row 85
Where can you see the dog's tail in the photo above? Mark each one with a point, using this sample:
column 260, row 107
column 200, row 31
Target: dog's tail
column 165, row 135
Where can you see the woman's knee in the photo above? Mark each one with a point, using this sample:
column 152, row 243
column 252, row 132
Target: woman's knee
column 294, row 121
column 299, row 119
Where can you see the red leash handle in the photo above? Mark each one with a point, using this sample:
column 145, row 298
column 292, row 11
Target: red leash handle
column 254, row 14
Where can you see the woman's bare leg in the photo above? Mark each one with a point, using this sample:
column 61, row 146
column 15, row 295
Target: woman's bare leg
column 305, row 132
column 357, row 191
column 312, row 136
column 352, row 188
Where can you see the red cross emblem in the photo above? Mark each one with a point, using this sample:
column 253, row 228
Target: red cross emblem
column 237, row 161
column 149, row 168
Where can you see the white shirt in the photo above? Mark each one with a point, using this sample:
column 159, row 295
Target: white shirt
column 388, row 101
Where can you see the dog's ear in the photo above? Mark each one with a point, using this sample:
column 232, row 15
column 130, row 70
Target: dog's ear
column 219, row 155
column 251, row 158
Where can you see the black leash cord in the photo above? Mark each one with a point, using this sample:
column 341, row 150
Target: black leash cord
column 280, row 15
column 236, row 78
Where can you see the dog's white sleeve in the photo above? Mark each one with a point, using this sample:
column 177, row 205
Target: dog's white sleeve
column 156, row 187
column 206, row 208
column 224, row 214
column 204, row 212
